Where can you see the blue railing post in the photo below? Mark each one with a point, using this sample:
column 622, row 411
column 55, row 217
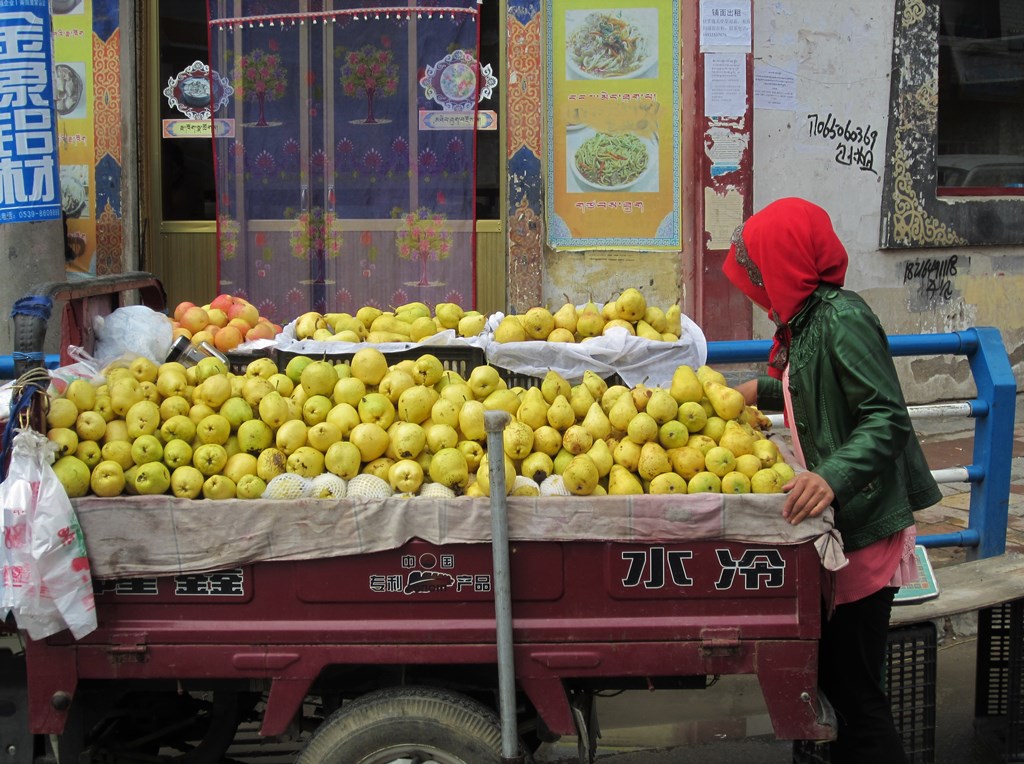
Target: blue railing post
column 993, row 441
column 993, row 411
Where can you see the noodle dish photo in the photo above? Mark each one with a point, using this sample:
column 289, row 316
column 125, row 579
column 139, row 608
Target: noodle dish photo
column 604, row 45
column 612, row 161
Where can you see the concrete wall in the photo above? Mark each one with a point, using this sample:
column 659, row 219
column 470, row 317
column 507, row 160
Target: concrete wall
column 842, row 55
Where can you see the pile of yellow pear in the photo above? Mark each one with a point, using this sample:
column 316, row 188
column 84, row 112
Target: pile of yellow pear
column 411, row 322
column 629, row 310
column 205, row 432
column 697, row 436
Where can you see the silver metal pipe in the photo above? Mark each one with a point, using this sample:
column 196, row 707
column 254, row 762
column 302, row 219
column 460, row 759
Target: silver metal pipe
column 495, row 422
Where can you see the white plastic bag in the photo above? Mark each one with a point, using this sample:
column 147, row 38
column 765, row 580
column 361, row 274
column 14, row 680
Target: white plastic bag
column 133, row 329
column 46, row 578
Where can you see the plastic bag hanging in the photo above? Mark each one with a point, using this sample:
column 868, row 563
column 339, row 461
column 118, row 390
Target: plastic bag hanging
column 46, row 579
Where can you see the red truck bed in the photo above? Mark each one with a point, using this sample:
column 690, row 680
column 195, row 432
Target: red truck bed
column 588, row 614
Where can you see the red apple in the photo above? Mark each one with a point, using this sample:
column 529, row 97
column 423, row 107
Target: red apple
column 180, row 310
column 222, row 302
column 227, row 338
column 195, row 319
column 262, row 331
column 245, row 311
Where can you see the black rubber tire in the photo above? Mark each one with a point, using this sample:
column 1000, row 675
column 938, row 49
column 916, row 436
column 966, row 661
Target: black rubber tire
column 403, row 722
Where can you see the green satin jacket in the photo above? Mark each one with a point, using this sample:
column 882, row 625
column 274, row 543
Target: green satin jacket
column 851, row 418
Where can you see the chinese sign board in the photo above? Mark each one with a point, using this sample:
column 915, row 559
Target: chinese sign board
column 28, row 133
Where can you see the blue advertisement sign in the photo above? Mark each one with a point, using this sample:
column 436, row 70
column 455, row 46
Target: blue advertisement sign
column 28, row 131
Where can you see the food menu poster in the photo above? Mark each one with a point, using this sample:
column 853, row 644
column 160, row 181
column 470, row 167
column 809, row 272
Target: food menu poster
column 28, row 152
column 612, row 72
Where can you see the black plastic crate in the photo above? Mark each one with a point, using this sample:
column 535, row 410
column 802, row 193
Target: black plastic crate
column 515, row 379
column 239, row 360
column 461, row 359
column 910, row 678
column 999, row 675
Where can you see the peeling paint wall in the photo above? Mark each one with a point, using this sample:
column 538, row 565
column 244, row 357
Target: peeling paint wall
column 830, row 146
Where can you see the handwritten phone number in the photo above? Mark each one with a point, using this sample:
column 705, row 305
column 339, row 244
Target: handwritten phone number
column 829, row 127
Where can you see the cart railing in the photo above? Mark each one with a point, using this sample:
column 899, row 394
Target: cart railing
column 993, row 413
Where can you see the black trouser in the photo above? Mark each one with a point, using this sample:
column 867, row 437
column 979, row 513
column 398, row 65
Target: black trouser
column 850, row 665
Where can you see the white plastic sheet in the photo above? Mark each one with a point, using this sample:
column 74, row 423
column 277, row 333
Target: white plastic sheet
column 635, row 359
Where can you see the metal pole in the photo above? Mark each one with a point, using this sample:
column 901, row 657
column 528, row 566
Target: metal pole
column 495, row 422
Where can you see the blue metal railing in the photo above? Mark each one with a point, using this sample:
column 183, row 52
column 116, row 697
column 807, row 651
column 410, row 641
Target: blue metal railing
column 7, row 365
column 993, row 412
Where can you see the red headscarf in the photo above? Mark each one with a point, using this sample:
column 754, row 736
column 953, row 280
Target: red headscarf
column 778, row 258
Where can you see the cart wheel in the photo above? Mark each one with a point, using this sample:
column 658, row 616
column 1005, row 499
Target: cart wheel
column 401, row 725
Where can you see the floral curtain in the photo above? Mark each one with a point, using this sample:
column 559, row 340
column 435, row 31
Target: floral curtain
column 345, row 153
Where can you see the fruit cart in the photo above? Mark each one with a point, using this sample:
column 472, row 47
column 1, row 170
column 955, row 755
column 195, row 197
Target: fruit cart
column 315, row 619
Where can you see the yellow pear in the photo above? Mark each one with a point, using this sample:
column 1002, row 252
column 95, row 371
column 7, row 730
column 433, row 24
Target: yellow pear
column 560, row 413
column 622, row 481
column 627, row 453
column 727, row 402
column 566, row 317
column 553, row 385
column 611, row 394
column 580, row 476
column 706, row 374
column 590, row 323
column 667, row 482
column 596, row 422
column 602, row 456
column 547, row 440
column 686, row 461
column 735, row 482
column 648, row 332
column 766, row 481
column 685, row 385
column 510, row 330
column 714, row 427
column 595, row 384
column 673, row 321
column 656, row 318
column 534, row 409
column 622, row 412
column 538, row 323
column 737, row 440
column 662, row 406
column 581, row 399
column 653, row 461
column 631, row 305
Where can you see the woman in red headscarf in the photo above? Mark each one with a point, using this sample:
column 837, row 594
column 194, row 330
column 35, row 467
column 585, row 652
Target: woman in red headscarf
column 830, row 370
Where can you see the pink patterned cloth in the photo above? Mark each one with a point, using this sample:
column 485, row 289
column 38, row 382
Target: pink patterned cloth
column 890, row 561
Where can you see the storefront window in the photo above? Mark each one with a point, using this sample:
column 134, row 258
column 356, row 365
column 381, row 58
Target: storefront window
column 981, row 91
column 187, row 177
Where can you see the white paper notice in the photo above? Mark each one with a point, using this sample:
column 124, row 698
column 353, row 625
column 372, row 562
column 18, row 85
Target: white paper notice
column 725, row 84
column 725, row 22
column 774, row 88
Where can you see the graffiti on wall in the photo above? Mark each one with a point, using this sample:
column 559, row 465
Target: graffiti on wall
column 931, row 278
column 854, row 144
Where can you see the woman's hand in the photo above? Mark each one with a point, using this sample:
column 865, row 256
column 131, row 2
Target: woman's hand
column 749, row 390
column 808, row 496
